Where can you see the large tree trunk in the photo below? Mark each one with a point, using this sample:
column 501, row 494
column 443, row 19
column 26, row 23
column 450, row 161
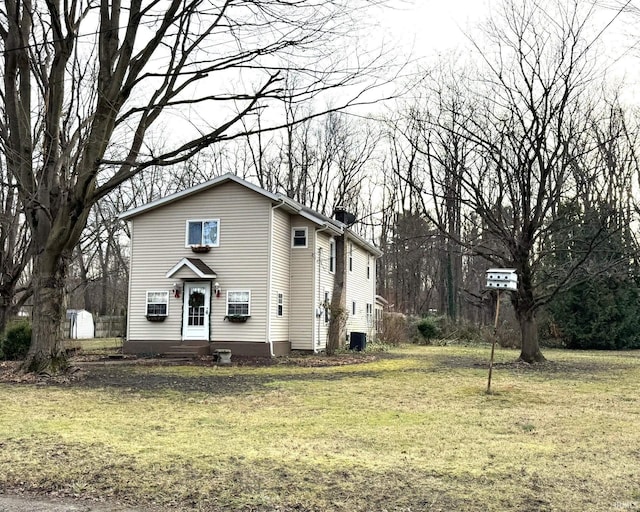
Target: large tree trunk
column 338, row 300
column 530, row 349
column 525, row 308
column 4, row 312
column 47, row 352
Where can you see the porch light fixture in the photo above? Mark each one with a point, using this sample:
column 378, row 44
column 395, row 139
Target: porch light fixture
column 177, row 289
column 216, row 288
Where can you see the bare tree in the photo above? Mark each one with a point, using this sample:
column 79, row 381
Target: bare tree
column 14, row 249
column 527, row 108
column 85, row 83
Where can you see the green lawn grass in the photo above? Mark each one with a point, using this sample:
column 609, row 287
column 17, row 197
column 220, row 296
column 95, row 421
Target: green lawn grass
column 96, row 346
column 413, row 430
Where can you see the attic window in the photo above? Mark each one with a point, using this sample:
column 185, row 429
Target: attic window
column 299, row 237
column 203, row 233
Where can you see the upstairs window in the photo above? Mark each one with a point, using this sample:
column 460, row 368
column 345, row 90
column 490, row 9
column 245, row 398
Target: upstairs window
column 332, row 256
column 203, row 232
column 238, row 302
column 353, row 308
column 299, row 237
column 368, row 267
column 157, row 304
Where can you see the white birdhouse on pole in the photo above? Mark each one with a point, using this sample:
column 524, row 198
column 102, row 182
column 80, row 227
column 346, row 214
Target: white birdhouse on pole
column 499, row 279
column 502, row 278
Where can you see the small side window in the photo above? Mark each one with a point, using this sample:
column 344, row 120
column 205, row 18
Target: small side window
column 280, row 304
column 299, row 237
column 327, row 306
column 353, row 307
column 332, row 256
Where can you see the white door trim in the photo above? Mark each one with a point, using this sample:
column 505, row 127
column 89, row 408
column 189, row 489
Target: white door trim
column 196, row 322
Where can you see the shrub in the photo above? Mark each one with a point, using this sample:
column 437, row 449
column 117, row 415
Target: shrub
column 375, row 346
column 549, row 332
column 603, row 313
column 461, row 331
column 17, row 341
column 508, row 334
column 428, row 329
column 395, row 329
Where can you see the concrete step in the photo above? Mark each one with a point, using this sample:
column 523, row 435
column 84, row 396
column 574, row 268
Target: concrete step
column 186, row 351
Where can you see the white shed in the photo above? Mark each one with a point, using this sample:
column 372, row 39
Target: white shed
column 80, row 324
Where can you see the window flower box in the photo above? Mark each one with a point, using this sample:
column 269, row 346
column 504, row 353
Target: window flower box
column 156, row 318
column 237, row 318
column 200, row 249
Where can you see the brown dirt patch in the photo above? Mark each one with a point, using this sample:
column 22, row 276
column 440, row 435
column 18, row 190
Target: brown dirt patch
column 100, row 369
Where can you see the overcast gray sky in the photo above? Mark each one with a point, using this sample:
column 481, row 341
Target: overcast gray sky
column 432, row 28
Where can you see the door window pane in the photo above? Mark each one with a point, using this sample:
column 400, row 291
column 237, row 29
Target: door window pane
column 197, row 306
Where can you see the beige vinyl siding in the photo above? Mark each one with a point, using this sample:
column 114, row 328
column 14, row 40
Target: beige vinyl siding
column 361, row 290
column 150, row 261
column 323, row 281
column 240, row 261
column 301, row 316
column 280, row 274
column 185, row 273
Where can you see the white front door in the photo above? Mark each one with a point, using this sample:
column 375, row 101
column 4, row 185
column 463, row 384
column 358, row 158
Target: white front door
column 195, row 312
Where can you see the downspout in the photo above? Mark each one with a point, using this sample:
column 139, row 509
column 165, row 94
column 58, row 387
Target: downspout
column 127, row 336
column 318, row 319
column 270, row 278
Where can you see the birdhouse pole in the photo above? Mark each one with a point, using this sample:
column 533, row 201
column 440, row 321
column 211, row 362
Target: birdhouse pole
column 493, row 341
column 499, row 279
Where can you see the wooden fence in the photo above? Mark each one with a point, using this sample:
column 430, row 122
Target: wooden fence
column 110, row 326
column 105, row 326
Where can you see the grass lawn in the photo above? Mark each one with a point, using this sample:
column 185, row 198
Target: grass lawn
column 412, row 430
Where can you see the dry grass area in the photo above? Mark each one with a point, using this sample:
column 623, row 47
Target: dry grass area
column 407, row 431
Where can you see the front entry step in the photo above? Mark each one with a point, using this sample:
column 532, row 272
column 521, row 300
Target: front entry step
column 184, row 351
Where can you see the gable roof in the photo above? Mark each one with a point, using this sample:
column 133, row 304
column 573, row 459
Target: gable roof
column 196, row 265
column 332, row 225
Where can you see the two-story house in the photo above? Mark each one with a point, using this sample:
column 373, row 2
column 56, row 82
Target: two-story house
column 229, row 265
